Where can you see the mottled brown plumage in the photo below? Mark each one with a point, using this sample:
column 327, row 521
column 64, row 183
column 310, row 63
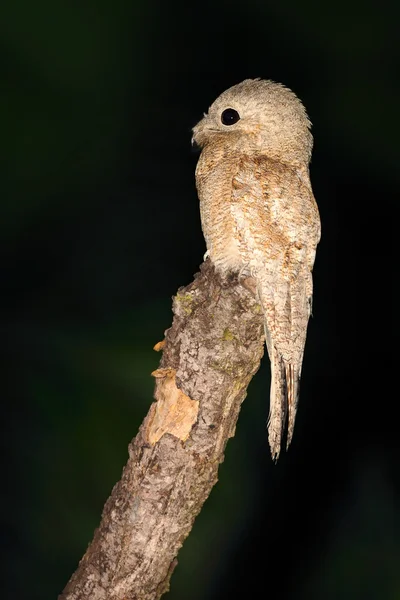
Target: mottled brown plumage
column 259, row 218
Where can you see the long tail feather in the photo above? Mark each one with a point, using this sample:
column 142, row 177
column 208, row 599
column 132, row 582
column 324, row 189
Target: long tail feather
column 293, row 387
column 278, row 404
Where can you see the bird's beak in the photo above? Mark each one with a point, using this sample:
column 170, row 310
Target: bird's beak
column 195, row 146
column 196, row 130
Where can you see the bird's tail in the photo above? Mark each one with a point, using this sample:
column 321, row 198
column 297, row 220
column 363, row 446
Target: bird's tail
column 278, row 403
column 292, row 374
column 285, row 380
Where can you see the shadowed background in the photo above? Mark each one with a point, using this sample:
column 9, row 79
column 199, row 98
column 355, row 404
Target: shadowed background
column 100, row 226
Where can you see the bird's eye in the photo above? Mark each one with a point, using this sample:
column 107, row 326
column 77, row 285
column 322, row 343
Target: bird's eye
column 230, row 116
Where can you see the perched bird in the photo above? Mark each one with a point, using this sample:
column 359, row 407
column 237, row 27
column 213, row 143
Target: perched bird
column 260, row 219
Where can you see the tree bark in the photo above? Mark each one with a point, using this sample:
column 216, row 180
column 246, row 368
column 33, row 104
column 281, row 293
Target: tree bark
column 210, row 354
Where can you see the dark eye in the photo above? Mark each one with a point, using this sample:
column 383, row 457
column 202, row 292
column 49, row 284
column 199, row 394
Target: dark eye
column 230, row 116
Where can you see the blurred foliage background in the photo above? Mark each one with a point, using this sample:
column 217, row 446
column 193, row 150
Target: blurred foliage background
column 100, row 226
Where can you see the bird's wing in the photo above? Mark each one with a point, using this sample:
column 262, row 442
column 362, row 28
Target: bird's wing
column 278, row 229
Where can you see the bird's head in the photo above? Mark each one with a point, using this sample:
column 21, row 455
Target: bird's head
column 258, row 116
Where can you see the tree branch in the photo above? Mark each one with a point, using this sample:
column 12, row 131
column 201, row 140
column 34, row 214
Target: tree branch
column 210, row 354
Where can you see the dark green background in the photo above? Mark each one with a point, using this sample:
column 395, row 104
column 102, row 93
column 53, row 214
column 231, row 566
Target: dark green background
column 100, row 226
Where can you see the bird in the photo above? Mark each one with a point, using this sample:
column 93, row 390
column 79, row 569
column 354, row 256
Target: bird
column 260, row 219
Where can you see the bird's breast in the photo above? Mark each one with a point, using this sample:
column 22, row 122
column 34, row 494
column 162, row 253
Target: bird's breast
column 214, row 185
